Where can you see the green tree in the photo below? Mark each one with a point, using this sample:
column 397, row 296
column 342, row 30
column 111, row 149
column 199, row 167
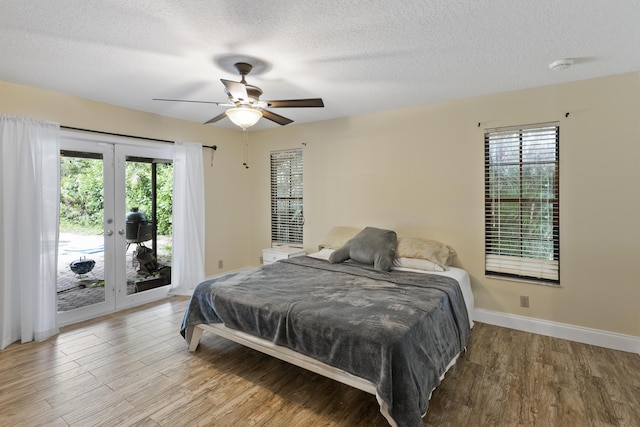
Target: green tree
column 82, row 199
column 139, row 192
column 81, row 193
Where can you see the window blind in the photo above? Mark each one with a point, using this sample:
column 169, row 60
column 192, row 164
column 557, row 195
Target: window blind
column 522, row 202
column 286, row 196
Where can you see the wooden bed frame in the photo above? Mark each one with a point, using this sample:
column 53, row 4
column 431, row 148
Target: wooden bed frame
column 310, row 364
column 295, row 358
column 281, row 353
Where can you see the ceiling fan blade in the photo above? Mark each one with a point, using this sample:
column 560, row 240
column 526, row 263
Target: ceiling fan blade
column 236, row 89
column 216, row 118
column 276, row 118
column 187, row 100
column 296, row 103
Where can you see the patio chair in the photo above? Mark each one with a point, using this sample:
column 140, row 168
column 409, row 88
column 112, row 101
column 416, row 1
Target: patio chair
column 139, row 235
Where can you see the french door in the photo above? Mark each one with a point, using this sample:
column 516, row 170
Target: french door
column 112, row 254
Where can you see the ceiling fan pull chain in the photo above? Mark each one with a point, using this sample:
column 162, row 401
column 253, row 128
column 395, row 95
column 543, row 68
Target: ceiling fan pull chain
column 245, row 135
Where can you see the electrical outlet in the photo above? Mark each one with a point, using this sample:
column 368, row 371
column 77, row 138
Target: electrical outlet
column 524, row 301
column 220, row 264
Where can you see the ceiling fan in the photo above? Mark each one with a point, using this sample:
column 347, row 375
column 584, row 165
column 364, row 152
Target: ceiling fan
column 248, row 108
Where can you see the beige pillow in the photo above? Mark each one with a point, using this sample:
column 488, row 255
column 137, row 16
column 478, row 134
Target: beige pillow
column 338, row 236
column 417, row 264
column 432, row 250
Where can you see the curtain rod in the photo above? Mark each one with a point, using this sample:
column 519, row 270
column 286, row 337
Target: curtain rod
column 213, row 147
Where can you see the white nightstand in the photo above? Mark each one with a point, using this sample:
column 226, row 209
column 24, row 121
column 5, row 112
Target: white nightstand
column 271, row 255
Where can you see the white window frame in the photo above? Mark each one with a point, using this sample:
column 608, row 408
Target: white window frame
column 287, row 214
column 522, row 203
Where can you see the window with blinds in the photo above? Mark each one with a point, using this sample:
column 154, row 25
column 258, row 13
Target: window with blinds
column 522, row 202
column 286, row 196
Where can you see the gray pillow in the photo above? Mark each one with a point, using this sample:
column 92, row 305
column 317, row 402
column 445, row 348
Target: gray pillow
column 371, row 246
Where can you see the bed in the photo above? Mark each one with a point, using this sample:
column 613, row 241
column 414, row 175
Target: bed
column 393, row 333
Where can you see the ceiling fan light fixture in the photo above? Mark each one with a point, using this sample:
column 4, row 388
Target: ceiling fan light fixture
column 245, row 117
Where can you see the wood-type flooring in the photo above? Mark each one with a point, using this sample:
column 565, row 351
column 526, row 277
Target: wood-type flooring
column 132, row 368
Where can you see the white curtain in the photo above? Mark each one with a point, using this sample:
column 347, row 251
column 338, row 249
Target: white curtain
column 29, row 211
column 187, row 265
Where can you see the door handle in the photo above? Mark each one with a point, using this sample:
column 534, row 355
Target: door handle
column 109, row 233
column 121, row 232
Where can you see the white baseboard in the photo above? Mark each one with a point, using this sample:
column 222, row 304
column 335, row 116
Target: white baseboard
column 560, row 330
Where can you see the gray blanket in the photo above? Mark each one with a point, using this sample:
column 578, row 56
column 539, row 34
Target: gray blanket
column 398, row 330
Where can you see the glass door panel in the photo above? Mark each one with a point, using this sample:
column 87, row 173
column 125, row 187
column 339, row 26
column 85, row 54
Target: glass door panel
column 85, row 286
column 147, row 210
column 148, row 186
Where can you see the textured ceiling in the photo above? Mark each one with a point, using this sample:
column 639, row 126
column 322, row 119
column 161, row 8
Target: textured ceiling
column 359, row 56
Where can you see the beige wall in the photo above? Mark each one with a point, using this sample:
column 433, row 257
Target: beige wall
column 226, row 202
column 420, row 172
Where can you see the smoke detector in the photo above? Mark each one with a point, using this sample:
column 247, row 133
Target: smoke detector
column 561, row 64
